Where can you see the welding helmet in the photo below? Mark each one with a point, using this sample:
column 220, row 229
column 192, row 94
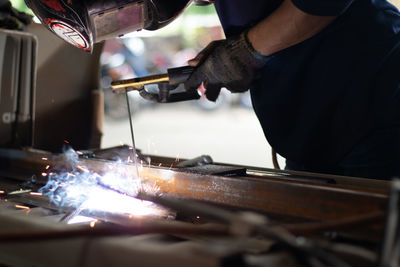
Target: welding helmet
column 85, row 22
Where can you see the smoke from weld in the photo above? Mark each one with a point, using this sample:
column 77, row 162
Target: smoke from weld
column 82, row 189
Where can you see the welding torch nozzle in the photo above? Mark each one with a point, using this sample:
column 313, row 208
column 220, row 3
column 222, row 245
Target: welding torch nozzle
column 173, row 77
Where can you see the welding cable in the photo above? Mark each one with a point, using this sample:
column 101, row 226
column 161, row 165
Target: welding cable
column 340, row 225
column 275, row 159
column 302, row 248
column 117, row 230
column 354, row 251
column 347, row 223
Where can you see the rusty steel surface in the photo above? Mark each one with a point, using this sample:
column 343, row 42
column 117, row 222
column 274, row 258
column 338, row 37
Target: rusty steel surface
column 276, row 196
column 299, row 200
column 368, row 185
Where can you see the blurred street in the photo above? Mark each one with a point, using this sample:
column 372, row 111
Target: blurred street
column 229, row 135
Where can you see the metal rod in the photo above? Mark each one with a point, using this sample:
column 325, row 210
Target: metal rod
column 132, row 135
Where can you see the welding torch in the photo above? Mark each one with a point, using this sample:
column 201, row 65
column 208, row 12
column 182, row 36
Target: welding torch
column 166, row 82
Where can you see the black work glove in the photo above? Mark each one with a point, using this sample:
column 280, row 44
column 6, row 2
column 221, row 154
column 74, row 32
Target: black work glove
column 232, row 63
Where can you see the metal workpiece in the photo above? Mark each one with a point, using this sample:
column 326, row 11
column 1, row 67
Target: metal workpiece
column 300, row 200
column 306, row 200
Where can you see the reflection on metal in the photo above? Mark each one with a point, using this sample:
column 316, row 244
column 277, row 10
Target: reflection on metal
column 138, row 83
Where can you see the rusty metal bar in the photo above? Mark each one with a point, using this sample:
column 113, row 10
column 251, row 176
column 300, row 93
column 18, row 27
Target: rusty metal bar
column 308, row 201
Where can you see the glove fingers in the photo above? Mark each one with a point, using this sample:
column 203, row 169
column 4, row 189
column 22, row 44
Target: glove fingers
column 212, row 91
column 194, row 81
column 237, row 87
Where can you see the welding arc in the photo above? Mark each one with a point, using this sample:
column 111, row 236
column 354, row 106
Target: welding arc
column 117, row 230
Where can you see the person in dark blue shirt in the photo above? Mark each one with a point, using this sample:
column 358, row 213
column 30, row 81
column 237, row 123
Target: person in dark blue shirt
column 323, row 75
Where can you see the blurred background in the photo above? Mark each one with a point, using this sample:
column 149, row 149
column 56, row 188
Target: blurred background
column 227, row 130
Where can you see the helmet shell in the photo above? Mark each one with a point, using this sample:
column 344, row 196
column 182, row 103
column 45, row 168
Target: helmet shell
column 68, row 20
column 83, row 23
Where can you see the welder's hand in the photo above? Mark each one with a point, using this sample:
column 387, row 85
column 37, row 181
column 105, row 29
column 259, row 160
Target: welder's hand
column 232, row 63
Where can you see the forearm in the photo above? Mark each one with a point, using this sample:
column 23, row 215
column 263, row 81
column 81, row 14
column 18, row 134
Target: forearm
column 285, row 27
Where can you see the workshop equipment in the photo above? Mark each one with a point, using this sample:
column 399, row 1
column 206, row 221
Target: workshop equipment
column 17, row 88
column 166, row 83
column 69, row 101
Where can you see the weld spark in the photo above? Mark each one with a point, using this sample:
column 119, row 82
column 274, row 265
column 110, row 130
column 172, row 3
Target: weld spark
column 22, row 207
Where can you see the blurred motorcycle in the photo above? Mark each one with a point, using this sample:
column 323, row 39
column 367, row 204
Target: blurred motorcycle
column 119, row 62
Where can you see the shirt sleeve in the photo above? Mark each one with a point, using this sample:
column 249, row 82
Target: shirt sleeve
column 323, row 7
